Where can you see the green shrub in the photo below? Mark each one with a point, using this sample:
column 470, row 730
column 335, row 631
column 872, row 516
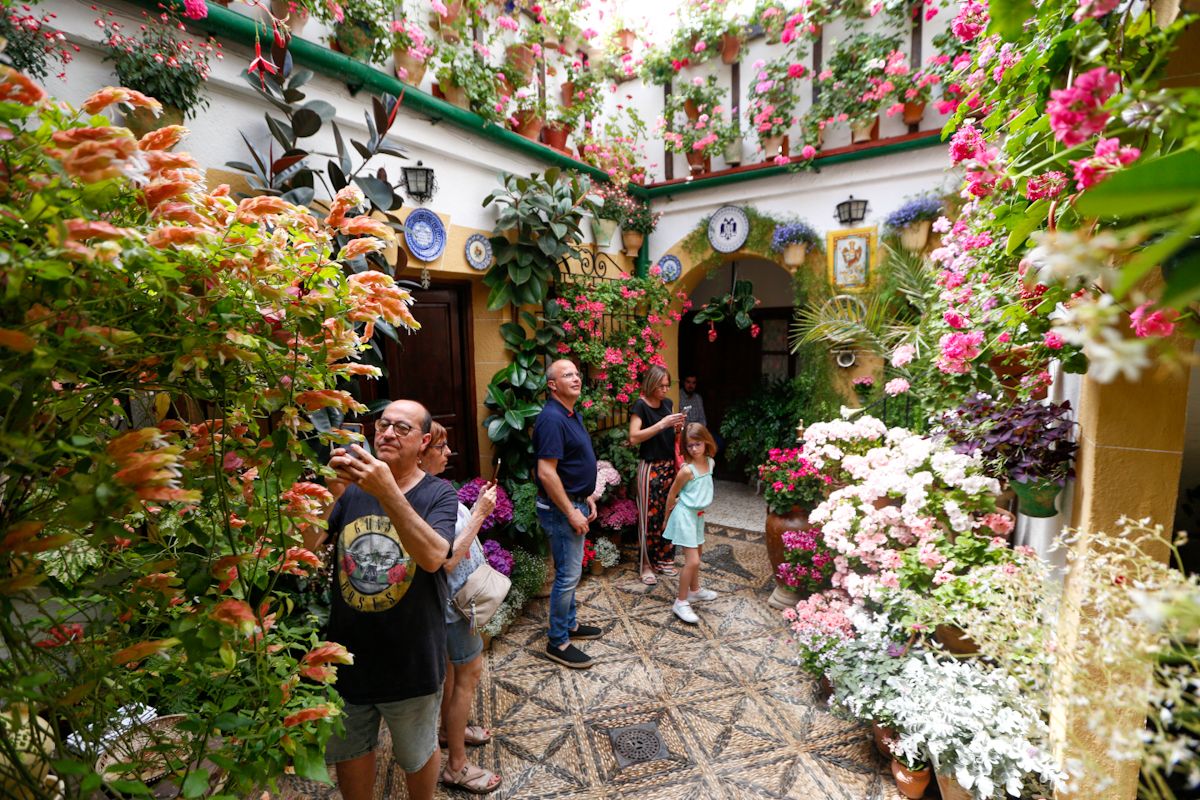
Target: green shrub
column 613, row 446
column 528, row 572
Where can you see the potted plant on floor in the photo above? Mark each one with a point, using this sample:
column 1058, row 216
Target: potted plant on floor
column 177, row 80
column 912, row 775
column 607, row 554
column 820, row 628
column 912, row 221
column 793, row 240
column 792, row 487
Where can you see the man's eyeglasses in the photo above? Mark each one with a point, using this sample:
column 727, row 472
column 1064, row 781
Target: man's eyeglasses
column 401, row 429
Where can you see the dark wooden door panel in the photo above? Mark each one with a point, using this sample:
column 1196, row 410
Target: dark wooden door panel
column 431, row 366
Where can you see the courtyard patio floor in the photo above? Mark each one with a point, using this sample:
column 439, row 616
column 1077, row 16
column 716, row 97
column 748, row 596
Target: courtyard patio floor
column 719, row 709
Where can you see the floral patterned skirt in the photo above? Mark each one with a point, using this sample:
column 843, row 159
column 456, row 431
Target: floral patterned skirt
column 654, row 479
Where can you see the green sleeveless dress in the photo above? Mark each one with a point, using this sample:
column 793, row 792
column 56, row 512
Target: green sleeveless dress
column 686, row 525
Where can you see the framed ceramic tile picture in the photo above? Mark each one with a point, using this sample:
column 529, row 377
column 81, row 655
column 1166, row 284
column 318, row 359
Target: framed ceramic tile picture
column 852, row 255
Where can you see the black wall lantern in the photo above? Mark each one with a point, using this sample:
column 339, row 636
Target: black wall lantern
column 419, row 182
column 851, row 212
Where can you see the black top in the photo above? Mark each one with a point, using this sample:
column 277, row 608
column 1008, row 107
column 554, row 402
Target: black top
column 558, row 433
column 386, row 609
column 661, row 446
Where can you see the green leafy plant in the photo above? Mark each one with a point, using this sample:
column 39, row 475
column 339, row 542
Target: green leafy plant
column 735, row 305
column 528, row 572
column 159, row 63
column 857, row 86
column 360, row 28
column 766, row 418
column 613, row 446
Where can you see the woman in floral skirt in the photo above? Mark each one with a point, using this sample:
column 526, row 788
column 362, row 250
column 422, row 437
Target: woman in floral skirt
column 652, row 426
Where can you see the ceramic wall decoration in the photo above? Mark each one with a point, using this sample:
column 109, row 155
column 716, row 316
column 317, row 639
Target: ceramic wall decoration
column 425, row 235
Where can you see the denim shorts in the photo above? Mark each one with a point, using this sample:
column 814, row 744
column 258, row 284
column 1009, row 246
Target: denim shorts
column 462, row 646
column 412, row 723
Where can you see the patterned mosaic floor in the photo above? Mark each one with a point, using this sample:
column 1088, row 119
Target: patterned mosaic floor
column 735, row 716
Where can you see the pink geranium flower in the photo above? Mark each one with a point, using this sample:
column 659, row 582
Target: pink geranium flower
column 1153, row 323
column 1076, row 113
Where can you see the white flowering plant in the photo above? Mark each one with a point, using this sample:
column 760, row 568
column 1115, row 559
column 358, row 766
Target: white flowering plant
column 607, row 553
column 860, row 667
column 974, row 724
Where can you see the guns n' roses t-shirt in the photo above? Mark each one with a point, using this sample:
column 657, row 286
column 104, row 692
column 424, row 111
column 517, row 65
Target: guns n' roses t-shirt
column 386, row 610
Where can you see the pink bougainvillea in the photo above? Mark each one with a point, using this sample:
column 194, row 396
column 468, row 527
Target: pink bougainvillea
column 1076, row 113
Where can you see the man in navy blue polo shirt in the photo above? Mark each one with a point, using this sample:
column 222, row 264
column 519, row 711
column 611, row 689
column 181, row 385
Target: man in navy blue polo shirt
column 566, row 480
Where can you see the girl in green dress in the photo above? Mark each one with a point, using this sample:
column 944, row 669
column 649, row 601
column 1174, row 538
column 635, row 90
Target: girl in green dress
column 690, row 495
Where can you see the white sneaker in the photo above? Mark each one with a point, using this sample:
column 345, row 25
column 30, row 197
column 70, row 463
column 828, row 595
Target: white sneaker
column 702, row 596
column 683, row 610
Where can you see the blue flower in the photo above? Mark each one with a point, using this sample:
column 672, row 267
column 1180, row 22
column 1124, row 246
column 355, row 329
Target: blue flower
column 919, row 208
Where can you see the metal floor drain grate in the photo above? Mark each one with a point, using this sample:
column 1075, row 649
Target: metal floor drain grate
column 635, row 744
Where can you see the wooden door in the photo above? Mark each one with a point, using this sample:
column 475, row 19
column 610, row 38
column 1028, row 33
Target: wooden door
column 432, row 366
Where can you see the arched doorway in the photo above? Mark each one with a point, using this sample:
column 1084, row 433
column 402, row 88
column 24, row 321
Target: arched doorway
column 736, row 362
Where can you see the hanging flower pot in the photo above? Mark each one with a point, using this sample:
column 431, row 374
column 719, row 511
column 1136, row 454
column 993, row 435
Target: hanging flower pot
column 354, row 38
column 733, row 151
column 955, row 640
column 291, row 13
column 603, row 231
column 774, row 146
column 795, row 254
column 521, row 57
column 914, row 236
column 913, row 113
column 952, row 789
column 142, row 120
column 408, row 69
column 529, row 124
column 865, row 131
column 568, row 94
column 1036, row 498
column 633, row 242
column 555, row 135
column 625, row 39
column 698, row 163
column 731, row 48
column 691, row 109
column 911, row 783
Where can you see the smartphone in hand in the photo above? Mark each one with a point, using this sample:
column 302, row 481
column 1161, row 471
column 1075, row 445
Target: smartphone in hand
column 356, row 428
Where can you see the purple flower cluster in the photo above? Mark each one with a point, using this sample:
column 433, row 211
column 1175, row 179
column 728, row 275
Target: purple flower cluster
column 497, row 557
column 619, row 514
column 808, row 563
column 469, row 493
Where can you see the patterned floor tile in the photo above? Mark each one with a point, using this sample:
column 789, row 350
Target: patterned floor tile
column 738, row 717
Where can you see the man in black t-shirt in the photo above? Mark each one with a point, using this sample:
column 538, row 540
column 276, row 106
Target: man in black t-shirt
column 393, row 527
column 566, row 480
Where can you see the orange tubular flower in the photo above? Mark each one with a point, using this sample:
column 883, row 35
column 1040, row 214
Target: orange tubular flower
column 253, row 209
column 164, row 138
column 179, row 212
column 365, row 226
column 317, row 663
column 236, row 614
column 329, row 398
column 16, row 87
column 76, row 136
column 131, row 655
column 105, row 97
column 15, row 340
column 169, row 236
column 308, row 714
column 360, row 247
column 160, row 190
column 348, row 198
column 92, row 162
column 80, row 230
column 161, row 161
column 299, row 561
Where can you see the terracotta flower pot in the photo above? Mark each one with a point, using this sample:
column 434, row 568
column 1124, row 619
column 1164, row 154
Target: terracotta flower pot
column 774, row 146
column 603, row 231
column 521, row 57
column 777, row 524
column 911, row 783
column 952, row 789
column 1011, row 367
column 698, row 163
column 731, row 48
column 865, row 131
column 295, row 20
column 529, row 125
column 633, row 242
column 783, row 597
column 354, row 38
column 555, row 135
column 795, row 254
column 1036, row 498
column 142, row 120
column 625, row 39
column 913, row 113
column 883, row 737
column 955, row 640
column 408, row 69
column 914, row 237
column 455, row 95
column 691, row 109
column 824, row 688
column 568, row 93
column 596, row 567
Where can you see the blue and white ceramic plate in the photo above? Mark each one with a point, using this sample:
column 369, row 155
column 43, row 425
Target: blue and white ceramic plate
column 479, row 251
column 728, row 229
column 670, row 268
column 424, row 234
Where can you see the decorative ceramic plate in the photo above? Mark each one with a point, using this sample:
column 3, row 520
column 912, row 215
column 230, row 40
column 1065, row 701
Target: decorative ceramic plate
column 479, row 251
column 424, row 234
column 728, row 229
column 670, row 267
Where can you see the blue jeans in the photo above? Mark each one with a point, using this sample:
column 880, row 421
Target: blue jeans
column 567, row 547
